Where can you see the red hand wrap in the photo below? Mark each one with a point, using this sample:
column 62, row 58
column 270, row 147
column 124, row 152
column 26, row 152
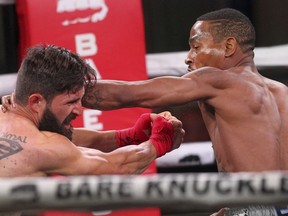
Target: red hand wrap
column 137, row 134
column 162, row 136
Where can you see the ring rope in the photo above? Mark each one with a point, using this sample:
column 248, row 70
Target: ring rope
column 193, row 192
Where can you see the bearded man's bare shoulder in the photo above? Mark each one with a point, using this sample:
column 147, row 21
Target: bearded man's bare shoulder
column 52, row 136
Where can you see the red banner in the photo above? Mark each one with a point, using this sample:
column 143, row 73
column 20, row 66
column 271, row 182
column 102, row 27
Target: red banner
column 109, row 34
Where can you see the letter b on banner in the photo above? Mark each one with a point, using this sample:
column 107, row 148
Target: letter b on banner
column 86, row 44
column 101, row 32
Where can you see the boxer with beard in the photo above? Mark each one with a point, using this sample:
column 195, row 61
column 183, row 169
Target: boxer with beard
column 50, row 123
column 35, row 136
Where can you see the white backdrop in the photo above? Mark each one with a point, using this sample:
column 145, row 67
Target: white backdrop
column 173, row 63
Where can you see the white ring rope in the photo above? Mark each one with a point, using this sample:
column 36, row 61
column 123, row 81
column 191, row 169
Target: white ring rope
column 194, row 192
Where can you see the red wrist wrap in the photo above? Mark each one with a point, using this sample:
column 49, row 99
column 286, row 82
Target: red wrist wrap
column 137, row 134
column 162, row 135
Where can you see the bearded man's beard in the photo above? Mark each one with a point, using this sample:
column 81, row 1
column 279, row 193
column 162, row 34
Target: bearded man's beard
column 50, row 123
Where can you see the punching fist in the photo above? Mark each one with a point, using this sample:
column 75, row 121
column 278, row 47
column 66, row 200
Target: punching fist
column 137, row 134
column 167, row 133
column 166, row 129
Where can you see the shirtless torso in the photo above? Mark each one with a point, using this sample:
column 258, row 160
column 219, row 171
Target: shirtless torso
column 245, row 113
column 20, row 149
column 247, row 121
column 26, row 151
column 35, row 134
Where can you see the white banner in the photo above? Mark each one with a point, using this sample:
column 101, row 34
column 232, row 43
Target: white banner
column 189, row 191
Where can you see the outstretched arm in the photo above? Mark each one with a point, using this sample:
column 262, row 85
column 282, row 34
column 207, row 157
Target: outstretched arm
column 156, row 92
column 112, row 94
column 133, row 159
column 108, row 141
column 203, row 83
column 101, row 140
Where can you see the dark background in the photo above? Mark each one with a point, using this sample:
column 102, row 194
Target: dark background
column 168, row 22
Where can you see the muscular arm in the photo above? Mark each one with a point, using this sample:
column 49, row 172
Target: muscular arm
column 86, row 161
column 102, row 140
column 157, row 92
column 60, row 156
column 110, row 140
column 112, row 94
column 126, row 160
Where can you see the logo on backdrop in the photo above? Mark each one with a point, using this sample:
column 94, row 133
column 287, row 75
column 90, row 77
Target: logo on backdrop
column 98, row 10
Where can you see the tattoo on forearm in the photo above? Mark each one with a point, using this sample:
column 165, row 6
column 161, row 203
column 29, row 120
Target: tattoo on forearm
column 92, row 98
column 127, row 140
column 10, row 144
